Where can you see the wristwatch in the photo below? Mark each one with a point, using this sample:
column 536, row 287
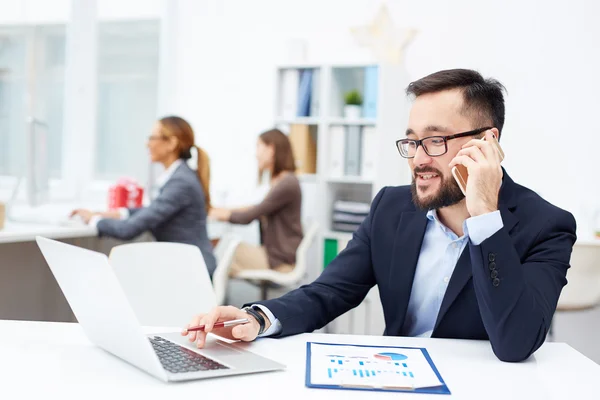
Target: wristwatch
column 255, row 312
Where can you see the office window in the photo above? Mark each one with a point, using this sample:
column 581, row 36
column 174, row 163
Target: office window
column 127, row 97
column 32, row 60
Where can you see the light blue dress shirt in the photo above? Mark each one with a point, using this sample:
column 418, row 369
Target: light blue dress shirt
column 439, row 254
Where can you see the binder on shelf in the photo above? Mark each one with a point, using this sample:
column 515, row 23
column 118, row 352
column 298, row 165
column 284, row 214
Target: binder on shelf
column 331, row 251
column 370, row 92
column 336, row 152
column 289, row 93
column 333, row 247
column 315, row 104
column 369, row 152
column 304, row 93
column 352, row 150
column 304, row 147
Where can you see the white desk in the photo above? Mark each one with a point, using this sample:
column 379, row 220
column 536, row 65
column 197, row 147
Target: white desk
column 18, row 232
column 25, row 232
column 41, row 359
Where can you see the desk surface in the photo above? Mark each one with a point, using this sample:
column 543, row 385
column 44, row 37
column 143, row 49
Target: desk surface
column 24, row 232
column 15, row 232
column 40, row 358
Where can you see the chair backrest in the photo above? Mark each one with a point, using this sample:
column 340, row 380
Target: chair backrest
column 302, row 252
column 224, row 252
column 166, row 283
column 583, row 288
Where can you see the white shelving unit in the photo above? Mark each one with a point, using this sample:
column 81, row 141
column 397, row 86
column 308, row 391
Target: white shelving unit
column 380, row 163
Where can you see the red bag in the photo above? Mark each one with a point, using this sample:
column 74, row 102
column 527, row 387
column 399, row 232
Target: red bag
column 125, row 193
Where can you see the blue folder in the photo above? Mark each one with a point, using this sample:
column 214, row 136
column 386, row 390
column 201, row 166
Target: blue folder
column 371, row 83
column 442, row 389
column 304, row 93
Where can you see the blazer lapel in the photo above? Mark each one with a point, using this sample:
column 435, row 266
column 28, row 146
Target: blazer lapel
column 461, row 275
column 463, row 270
column 407, row 247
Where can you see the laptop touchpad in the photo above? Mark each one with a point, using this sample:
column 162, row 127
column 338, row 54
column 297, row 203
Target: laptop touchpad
column 220, row 349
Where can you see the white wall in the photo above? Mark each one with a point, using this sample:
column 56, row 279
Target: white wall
column 57, row 11
column 222, row 56
column 544, row 52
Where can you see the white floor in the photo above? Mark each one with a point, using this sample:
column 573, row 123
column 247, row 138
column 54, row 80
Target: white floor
column 579, row 329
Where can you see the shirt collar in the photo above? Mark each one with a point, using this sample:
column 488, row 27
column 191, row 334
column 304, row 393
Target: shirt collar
column 433, row 217
column 168, row 173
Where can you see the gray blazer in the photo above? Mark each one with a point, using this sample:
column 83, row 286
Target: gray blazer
column 178, row 214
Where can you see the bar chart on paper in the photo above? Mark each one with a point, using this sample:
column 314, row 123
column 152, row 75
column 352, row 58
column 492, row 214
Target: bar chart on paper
column 362, row 366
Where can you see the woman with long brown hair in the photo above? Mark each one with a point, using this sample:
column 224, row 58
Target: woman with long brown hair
column 279, row 212
column 179, row 212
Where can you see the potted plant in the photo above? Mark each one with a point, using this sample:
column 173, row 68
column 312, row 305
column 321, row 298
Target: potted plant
column 353, row 100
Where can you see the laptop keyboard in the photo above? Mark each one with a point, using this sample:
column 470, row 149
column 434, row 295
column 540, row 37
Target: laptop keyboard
column 177, row 359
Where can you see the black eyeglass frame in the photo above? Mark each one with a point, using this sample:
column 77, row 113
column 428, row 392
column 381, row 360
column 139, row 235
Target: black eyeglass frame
column 444, row 138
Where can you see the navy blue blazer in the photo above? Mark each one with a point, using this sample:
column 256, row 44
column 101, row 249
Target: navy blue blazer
column 530, row 255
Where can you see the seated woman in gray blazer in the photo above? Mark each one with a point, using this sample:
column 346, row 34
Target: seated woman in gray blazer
column 179, row 212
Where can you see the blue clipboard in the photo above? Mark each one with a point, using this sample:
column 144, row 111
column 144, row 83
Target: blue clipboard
column 442, row 389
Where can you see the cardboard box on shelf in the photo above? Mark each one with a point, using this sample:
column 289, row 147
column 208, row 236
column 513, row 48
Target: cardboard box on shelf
column 304, row 146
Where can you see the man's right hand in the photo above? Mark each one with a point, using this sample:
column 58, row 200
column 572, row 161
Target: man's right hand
column 245, row 332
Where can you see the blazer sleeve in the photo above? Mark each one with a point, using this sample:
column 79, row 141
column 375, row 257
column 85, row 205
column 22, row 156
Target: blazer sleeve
column 134, row 210
column 517, row 302
column 174, row 197
column 342, row 286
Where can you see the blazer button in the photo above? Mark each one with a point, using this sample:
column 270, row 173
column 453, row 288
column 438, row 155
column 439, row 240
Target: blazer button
column 491, row 257
column 494, row 274
column 492, row 266
column 496, row 282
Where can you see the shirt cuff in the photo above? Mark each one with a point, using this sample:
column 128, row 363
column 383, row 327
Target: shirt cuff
column 483, row 226
column 94, row 221
column 275, row 327
column 124, row 213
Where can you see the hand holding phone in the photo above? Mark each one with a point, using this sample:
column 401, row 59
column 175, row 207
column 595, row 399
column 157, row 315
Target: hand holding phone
column 461, row 173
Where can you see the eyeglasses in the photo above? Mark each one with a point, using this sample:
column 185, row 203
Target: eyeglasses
column 434, row 146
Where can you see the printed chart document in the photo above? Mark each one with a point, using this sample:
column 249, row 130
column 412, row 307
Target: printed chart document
column 342, row 366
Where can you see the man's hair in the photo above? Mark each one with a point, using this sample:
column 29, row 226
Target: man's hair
column 483, row 98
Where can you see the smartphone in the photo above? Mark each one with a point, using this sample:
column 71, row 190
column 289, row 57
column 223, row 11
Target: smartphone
column 461, row 174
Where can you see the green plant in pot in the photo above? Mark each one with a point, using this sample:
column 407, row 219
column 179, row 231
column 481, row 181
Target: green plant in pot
column 353, row 100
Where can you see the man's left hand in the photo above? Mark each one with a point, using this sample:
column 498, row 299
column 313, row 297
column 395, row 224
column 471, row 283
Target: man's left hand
column 485, row 174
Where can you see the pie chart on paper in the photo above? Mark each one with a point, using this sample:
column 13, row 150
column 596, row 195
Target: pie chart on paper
column 390, row 356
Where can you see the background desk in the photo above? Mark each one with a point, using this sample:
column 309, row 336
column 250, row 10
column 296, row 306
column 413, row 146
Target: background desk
column 41, row 359
column 28, row 291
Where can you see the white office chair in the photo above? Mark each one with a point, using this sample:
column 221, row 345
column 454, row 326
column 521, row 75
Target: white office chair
column 224, row 252
column 265, row 278
column 166, row 283
column 582, row 291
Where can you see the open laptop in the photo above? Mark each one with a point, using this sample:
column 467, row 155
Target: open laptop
column 102, row 309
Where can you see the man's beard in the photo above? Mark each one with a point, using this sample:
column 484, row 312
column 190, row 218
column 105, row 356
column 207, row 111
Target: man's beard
column 448, row 194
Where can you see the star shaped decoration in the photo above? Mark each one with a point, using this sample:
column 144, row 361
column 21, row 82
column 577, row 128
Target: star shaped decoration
column 387, row 42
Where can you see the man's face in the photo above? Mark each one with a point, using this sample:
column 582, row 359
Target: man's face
column 436, row 114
